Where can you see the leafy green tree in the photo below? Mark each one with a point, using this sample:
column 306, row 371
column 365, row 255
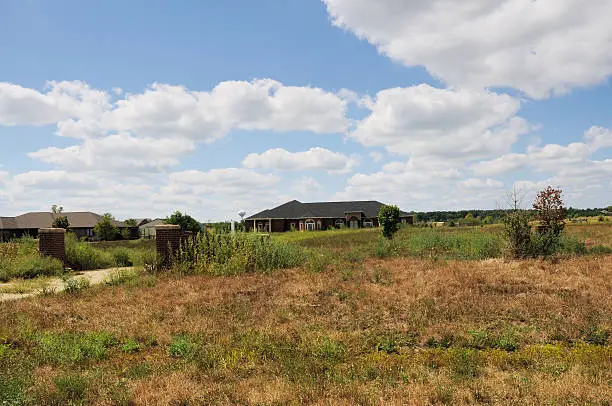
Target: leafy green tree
column 131, row 222
column 609, row 209
column 55, row 209
column 185, row 221
column 389, row 218
column 60, row 222
column 105, row 230
column 517, row 232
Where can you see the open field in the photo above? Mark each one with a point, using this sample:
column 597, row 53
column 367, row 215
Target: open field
column 353, row 329
column 442, row 243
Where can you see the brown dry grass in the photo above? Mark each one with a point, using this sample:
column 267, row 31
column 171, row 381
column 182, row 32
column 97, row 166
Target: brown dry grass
column 355, row 304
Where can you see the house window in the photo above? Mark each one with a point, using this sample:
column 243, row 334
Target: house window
column 310, row 225
column 301, row 226
column 260, row 227
column 368, row 224
column 318, row 224
column 339, row 223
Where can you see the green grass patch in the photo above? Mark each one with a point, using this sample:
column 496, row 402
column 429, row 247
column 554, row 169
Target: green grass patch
column 74, row 348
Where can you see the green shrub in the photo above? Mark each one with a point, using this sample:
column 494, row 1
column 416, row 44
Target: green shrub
column 545, row 244
column 389, row 218
column 182, row 347
column 517, row 232
column 130, row 346
column 84, row 256
column 74, row 285
column 121, row 257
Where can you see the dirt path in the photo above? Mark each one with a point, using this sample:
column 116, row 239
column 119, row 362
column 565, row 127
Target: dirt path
column 56, row 284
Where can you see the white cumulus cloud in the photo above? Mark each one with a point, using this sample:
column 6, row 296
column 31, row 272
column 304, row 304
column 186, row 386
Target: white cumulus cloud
column 313, row 159
column 59, row 101
column 445, row 123
column 539, row 47
column 117, row 152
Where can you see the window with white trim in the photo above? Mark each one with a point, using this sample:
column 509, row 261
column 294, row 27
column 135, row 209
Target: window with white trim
column 310, row 225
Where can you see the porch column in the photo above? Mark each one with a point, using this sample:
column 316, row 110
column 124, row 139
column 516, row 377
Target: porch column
column 269, row 225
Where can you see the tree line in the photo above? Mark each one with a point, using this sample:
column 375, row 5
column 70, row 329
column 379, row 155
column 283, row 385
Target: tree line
column 497, row 215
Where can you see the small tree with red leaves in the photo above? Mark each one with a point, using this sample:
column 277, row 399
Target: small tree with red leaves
column 551, row 215
column 550, row 210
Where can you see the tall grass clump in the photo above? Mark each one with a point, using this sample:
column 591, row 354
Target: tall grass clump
column 21, row 259
column 84, row 256
column 232, row 254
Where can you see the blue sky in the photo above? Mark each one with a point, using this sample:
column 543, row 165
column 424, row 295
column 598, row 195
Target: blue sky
column 110, row 106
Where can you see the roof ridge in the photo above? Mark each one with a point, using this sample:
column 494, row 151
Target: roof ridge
column 346, row 201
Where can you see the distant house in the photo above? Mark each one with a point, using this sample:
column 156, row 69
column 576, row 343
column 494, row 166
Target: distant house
column 147, row 230
column 140, row 222
column 296, row 215
column 81, row 223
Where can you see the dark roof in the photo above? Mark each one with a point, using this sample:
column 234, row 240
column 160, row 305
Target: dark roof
column 296, row 210
column 140, row 222
column 7, row 223
column 44, row 219
column 153, row 223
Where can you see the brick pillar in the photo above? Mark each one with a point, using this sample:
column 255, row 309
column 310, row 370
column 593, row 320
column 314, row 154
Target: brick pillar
column 167, row 242
column 51, row 242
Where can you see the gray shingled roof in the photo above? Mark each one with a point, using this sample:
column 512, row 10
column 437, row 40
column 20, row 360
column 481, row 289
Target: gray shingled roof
column 44, row 219
column 295, row 210
column 152, row 224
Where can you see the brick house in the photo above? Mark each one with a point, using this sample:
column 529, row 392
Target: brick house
column 81, row 223
column 295, row 215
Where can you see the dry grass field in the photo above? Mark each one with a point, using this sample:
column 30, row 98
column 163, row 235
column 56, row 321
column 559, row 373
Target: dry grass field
column 398, row 330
